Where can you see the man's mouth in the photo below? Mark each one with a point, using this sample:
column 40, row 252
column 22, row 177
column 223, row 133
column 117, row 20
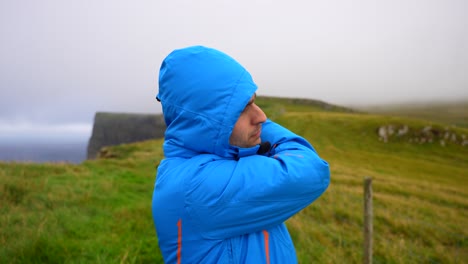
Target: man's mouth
column 257, row 133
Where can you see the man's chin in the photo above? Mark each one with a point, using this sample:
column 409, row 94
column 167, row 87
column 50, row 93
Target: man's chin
column 250, row 144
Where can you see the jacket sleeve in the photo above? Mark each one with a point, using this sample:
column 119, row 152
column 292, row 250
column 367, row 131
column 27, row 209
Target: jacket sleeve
column 229, row 198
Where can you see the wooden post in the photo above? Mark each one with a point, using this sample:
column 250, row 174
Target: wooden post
column 368, row 229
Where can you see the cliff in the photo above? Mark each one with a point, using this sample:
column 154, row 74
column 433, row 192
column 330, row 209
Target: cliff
column 117, row 128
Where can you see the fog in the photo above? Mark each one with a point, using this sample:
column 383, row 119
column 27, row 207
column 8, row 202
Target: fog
column 61, row 61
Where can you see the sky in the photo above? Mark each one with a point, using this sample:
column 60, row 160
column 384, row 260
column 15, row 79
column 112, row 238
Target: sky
column 64, row 60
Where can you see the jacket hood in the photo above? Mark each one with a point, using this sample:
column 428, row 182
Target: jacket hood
column 203, row 92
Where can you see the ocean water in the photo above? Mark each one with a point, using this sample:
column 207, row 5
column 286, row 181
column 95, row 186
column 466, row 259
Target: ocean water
column 40, row 151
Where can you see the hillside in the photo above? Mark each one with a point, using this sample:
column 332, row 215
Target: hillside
column 99, row 211
column 448, row 113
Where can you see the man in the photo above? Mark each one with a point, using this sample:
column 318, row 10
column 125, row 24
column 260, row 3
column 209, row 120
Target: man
column 230, row 177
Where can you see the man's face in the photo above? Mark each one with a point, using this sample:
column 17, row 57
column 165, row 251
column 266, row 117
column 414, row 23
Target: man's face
column 247, row 130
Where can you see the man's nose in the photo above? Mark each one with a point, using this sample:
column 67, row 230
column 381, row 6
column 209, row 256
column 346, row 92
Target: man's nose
column 259, row 115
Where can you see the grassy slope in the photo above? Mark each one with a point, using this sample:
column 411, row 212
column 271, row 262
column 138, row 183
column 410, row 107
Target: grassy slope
column 420, row 196
column 97, row 212
column 454, row 113
column 100, row 211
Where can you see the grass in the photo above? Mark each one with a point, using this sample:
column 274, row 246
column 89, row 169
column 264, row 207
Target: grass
column 96, row 212
column 99, row 211
column 420, row 199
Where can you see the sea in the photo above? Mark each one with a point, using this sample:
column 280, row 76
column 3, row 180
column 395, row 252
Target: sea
column 40, row 143
column 71, row 150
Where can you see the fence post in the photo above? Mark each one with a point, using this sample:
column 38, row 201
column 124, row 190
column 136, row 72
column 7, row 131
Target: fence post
column 368, row 228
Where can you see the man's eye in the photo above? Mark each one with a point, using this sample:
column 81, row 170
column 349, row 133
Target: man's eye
column 246, row 107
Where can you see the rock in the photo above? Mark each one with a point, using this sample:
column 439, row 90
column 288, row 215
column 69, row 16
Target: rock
column 454, row 137
column 403, row 130
column 383, row 133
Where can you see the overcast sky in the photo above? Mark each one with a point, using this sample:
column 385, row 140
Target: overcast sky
column 63, row 60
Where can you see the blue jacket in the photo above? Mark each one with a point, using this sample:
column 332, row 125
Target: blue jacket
column 217, row 203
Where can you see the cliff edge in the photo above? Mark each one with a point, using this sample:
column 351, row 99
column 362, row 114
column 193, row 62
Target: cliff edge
column 118, row 128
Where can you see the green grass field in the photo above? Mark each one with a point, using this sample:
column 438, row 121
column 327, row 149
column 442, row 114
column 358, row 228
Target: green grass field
column 100, row 211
